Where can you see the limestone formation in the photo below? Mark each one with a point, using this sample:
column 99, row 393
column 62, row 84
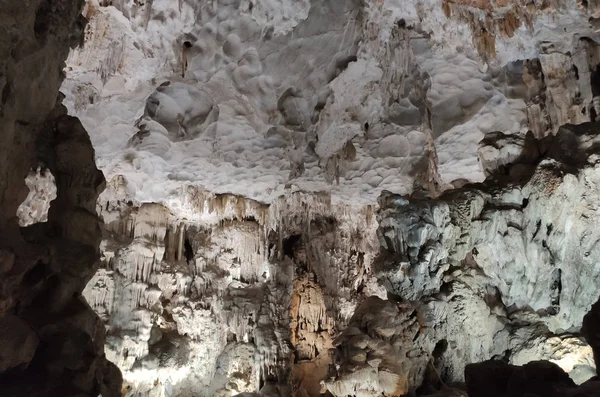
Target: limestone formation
column 303, row 198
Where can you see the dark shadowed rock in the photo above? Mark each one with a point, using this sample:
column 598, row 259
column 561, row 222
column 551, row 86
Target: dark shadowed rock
column 51, row 342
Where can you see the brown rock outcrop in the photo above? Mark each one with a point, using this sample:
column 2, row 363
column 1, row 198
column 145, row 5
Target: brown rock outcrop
column 51, row 342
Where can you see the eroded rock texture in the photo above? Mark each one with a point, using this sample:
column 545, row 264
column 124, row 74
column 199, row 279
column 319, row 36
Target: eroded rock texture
column 244, row 298
column 341, row 197
column 51, row 342
column 304, row 297
column 456, row 247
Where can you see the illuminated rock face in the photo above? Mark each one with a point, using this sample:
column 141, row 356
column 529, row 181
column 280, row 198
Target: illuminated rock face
column 297, row 200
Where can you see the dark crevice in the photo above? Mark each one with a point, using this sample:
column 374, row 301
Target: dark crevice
column 289, row 243
column 556, row 287
column 538, row 225
column 35, row 275
column 343, row 63
column 595, row 81
column 188, row 251
column 40, row 26
column 440, row 348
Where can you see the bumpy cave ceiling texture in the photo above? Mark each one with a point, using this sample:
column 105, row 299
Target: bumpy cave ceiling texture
column 299, row 198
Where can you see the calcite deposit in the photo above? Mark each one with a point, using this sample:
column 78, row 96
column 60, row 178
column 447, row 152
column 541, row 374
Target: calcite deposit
column 300, row 198
column 340, row 197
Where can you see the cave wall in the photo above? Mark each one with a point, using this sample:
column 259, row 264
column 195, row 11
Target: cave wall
column 307, row 297
column 52, row 343
column 276, row 212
